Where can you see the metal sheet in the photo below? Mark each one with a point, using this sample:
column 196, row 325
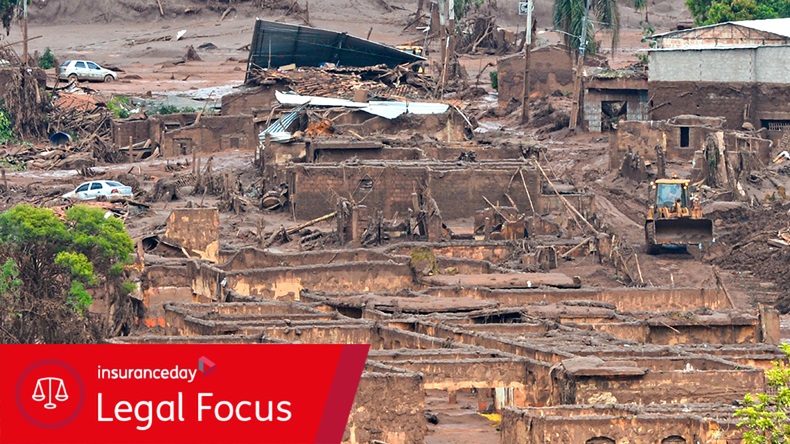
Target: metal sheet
column 391, row 110
column 296, row 99
column 278, row 131
column 387, row 110
column 278, row 44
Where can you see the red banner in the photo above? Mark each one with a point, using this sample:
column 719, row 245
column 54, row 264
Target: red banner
column 256, row 393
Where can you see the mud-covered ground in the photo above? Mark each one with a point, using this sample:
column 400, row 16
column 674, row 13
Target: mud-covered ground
column 133, row 36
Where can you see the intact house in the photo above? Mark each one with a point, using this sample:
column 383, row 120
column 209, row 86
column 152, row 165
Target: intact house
column 736, row 70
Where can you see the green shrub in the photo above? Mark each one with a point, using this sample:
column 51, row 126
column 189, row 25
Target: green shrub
column 6, row 127
column 494, row 76
column 47, row 60
column 120, row 107
column 763, row 416
column 167, row 109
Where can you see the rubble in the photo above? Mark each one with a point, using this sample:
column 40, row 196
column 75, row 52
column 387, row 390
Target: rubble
column 343, row 82
column 490, row 273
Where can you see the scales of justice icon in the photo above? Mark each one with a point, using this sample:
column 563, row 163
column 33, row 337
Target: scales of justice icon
column 44, row 388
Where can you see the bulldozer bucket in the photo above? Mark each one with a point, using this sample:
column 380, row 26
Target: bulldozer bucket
column 683, row 231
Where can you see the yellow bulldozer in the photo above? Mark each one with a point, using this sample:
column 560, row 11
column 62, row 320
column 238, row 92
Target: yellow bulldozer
column 674, row 217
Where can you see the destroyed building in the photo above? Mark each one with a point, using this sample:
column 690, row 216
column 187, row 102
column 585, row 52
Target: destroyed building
column 572, row 359
column 736, row 70
column 680, row 138
column 551, row 69
column 484, row 280
column 613, row 96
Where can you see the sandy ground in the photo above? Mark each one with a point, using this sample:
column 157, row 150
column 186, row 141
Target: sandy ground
column 138, row 48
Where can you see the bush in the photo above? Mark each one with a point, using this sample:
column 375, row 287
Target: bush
column 119, row 107
column 710, row 12
column 47, row 60
column 494, row 76
column 6, row 127
column 764, row 416
column 167, row 109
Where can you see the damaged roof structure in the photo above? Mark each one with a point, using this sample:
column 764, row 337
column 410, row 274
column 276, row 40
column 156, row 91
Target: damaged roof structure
column 279, row 44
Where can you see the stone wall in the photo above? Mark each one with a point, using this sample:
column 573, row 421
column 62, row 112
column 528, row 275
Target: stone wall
column 250, row 257
column 680, row 386
column 248, row 100
column 287, row 282
column 458, row 191
column 659, row 299
column 618, row 424
column 398, row 419
column 202, row 243
column 761, row 64
column 551, row 70
column 211, row 134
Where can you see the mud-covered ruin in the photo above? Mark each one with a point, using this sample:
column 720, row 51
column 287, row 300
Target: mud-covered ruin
column 498, row 270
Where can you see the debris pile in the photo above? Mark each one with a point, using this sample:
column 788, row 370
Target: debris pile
column 479, row 30
column 90, row 129
column 21, row 96
column 378, row 80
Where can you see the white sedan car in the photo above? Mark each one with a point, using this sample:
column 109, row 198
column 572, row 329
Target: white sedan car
column 105, row 189
column 73, row 70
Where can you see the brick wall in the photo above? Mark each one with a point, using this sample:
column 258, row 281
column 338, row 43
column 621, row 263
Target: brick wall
column 214, row 133
column 458, row 191
column 245, row 101
column 761, row 101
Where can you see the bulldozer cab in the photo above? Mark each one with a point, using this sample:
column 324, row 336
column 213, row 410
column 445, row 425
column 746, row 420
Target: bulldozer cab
column 668, row 194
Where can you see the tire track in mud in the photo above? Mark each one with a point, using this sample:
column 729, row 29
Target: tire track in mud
column 617, row 221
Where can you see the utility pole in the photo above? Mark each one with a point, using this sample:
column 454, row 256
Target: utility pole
column 25, row 54
column 527, row 47
column 448, row 45
column 577, row 83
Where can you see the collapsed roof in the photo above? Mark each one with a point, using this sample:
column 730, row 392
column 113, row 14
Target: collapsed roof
column 279, row 44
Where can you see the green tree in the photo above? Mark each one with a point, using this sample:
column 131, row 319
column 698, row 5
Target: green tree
column 461, row 7
column 51, row 267
column 710, row 12
column 764, row 417
column 9, row 8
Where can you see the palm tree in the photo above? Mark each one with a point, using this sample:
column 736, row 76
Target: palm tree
column 572, row 19
column 569, row 16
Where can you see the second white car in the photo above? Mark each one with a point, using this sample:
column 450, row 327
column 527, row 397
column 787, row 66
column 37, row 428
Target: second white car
column 105, row 189
column 73, row 70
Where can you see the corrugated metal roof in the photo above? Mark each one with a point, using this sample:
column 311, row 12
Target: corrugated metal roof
column 278, row 44
column 708, row 48
column 388, row 110
column 774, row 26
column 780, row 27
